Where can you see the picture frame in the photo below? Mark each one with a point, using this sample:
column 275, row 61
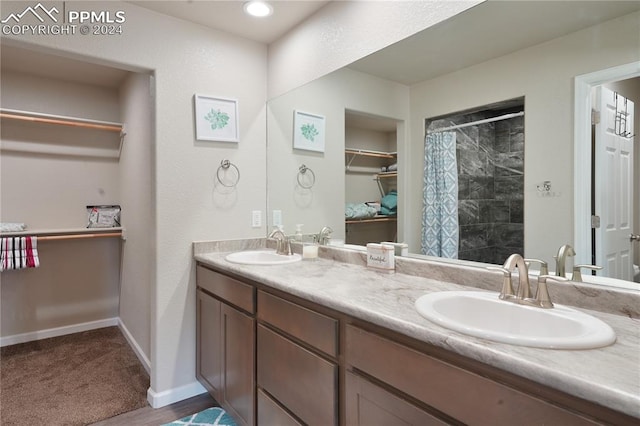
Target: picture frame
column 308, row 131
column 216, row 119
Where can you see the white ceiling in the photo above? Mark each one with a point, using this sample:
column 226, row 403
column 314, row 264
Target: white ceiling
column 486, row 31
column 229, row 16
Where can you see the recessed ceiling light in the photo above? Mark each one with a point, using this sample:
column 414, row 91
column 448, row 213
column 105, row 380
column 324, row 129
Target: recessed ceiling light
column 258, row 8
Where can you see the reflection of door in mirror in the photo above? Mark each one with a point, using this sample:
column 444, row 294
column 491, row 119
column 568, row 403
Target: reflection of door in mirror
column 613, row 184
column 371, row 184
column 489, row 145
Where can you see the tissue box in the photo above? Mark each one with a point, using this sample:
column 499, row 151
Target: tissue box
column 380, row 257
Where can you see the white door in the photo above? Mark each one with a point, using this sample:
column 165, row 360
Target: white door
column 614, row 185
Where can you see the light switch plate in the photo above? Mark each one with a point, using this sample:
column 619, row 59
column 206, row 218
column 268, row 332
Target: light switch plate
column 256, row 218
column 277, row 218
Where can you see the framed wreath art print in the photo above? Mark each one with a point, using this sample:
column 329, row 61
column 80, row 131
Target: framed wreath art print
column 216, row 119
column 308, row 131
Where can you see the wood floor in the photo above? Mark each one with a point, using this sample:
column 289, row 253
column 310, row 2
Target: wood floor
column 148, row 416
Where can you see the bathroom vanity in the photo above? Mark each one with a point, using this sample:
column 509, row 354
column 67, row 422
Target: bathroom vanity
column 332, row 342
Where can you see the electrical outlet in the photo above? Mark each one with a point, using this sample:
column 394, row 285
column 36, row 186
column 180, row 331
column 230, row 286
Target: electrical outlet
column 277, row 218
column 256, row 218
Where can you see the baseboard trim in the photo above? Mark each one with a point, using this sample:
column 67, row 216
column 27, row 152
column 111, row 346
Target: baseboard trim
column 58, row 331
column 134, row 345
column 164, row 398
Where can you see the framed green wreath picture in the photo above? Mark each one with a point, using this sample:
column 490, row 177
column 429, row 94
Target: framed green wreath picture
column 216, row 119
column 308, row 131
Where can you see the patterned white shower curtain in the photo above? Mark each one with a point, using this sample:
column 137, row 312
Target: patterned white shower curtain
column 440, row 198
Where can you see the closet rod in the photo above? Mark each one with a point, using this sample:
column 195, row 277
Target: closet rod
column 473, row 123
column 60, row 120
column 79, row 236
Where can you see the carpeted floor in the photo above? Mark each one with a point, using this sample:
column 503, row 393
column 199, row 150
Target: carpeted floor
column 70, row 380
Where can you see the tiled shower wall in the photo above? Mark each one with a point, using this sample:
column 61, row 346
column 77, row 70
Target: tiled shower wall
column 490, row 160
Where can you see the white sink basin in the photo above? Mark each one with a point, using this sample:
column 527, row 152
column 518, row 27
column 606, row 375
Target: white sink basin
column 261, row 257
column 482, row 314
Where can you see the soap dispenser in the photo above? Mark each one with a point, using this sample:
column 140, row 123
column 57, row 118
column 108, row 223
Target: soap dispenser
column 298, row 234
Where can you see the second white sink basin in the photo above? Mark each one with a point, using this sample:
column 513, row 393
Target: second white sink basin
column 484, row 315
column 262, row 257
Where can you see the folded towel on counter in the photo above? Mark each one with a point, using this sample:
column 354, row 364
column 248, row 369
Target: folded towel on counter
column 389, row 203
column 18, row 253
column 12, row 227
column 359, row 211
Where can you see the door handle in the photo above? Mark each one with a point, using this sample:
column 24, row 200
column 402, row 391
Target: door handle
column 634, row 237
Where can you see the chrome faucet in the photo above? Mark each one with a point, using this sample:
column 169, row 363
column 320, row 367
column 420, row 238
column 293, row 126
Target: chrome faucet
column 323, row 236
column 516, row 261
column 561, row 259
column 283, row 244
column 523, row 293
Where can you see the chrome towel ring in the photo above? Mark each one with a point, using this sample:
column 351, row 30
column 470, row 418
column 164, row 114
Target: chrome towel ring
column 224, row 166
column 302, row 171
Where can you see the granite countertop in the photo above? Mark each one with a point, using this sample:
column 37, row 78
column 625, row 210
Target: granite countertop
column 609, row 376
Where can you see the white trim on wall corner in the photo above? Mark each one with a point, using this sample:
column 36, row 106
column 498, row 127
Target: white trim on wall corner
column 134, row 345
column 164, row 398
column 58, row 331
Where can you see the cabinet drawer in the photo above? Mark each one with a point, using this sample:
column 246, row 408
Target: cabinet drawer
column 298, row 379
column 451, row 390
column 370, row 405
column 320, row 331
column 231, row 290
column 271, row 414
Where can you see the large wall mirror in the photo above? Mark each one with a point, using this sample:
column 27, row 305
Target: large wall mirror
column 495, row 59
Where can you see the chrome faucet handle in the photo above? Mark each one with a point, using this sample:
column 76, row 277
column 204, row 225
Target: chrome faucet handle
column 577, row 274
column 507, row 287
column 544, row 266
column 286, row 249
column 543, row 299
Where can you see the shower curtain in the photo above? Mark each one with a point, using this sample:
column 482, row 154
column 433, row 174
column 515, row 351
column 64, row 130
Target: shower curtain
column 440, row 198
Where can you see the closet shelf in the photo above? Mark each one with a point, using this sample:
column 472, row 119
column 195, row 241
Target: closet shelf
column 387, row 175
column 37, row 117
column 354, row 153
column 68, row 233
column 370, row 153
column 63, row 148
column 373, row 220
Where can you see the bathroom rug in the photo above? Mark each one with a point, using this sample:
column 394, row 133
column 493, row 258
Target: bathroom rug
column 214, row 416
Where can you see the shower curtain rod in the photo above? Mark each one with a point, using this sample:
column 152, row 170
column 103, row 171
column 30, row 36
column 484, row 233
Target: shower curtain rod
column 473, row 123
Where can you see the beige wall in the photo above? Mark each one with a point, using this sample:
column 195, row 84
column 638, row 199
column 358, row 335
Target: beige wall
column 186, row 59
column 137, row 200
column 544, row 75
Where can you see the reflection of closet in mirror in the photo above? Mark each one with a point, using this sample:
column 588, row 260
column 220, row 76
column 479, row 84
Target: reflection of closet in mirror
column 489, row 143
column 370, row 179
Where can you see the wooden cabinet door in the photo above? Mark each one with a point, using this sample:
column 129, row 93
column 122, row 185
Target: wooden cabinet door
column 209, row 338
column 238, row 358
column 297, row 378
column 370, row 405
